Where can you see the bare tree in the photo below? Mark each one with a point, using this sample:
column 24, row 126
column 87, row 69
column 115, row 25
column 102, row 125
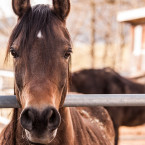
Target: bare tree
column 94, row 21
column 93, row 30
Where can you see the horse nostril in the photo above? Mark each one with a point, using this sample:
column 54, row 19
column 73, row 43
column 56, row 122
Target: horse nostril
column 34, row 120
column 27, row 118
column 53, row 118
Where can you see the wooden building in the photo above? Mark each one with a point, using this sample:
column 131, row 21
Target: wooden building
column 136, row 18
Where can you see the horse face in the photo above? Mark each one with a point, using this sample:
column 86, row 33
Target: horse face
column 41, row 48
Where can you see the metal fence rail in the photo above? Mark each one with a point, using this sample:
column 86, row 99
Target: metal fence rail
column 83, row 100
column 9, row 102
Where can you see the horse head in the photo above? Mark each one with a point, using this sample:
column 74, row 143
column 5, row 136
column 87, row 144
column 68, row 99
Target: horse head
column 41, row 47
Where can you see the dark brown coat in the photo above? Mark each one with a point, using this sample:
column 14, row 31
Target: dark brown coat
column 107, row 81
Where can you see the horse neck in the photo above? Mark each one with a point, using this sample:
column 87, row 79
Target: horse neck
column 65, row 133
column 136, row 87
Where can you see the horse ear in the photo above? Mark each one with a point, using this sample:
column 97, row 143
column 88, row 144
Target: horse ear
column 20, row 6
column 61, row 8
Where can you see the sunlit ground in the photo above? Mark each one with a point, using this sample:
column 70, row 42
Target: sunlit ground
column 132, row 135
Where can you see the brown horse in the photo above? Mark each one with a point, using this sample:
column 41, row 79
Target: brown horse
column 41, row 47
column 107, row 81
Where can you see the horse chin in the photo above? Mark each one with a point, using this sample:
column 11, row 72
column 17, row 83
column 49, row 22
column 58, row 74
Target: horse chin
column 40, row 140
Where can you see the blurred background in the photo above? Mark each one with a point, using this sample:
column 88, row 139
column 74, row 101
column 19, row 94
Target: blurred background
column 105, row 33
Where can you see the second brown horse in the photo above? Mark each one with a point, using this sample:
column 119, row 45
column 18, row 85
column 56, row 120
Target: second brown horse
column 107, row 81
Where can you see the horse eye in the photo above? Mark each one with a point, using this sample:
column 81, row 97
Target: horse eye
column 67, row 53
column 13, row 52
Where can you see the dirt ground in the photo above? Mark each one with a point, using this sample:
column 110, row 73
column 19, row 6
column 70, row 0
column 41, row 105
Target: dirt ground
column 132, row 135
column 128, row 135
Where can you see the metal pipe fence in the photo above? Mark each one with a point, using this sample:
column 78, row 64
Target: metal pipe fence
column 83, row 100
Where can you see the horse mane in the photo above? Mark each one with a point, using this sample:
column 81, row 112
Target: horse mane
column 10, row 136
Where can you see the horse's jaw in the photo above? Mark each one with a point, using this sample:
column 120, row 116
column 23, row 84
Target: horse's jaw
column 44, row 139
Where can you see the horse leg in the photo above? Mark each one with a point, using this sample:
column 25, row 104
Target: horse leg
column 116, row 135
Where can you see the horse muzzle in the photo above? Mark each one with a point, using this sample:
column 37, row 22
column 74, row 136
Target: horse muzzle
column 40, row 126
